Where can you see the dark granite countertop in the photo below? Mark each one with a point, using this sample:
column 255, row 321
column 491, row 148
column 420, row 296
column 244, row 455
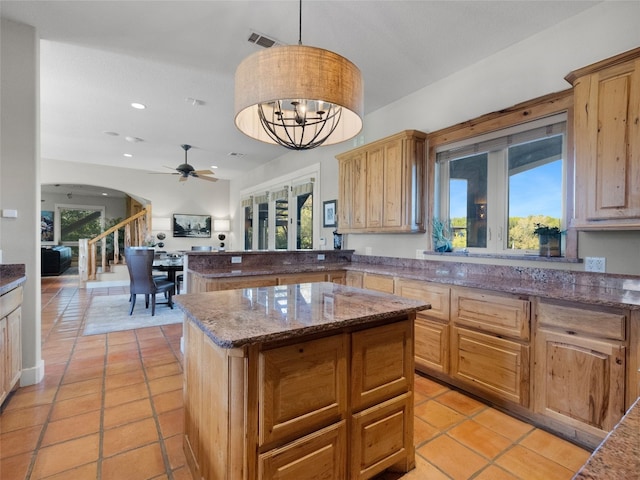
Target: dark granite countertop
column 233, row 318
column 11, row 276
column 269, row 270
column 618, row 456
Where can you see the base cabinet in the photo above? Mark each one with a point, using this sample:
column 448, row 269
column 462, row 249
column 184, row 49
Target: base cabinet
column 580, row 365
column 334, row 407
column 10, row 341
column 494, row 365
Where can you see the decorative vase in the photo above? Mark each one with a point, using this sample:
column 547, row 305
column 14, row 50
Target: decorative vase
column 550, row 245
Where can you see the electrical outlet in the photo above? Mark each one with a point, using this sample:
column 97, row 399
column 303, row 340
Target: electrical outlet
column 595, row 264
column 321, row 256
column 236, row 259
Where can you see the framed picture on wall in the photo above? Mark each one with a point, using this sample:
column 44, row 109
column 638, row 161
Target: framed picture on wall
column 329, row 213
column 191, row 226
column 47, row 230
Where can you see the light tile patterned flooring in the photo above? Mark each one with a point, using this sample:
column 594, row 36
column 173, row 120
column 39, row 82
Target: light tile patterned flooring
column 110, row 407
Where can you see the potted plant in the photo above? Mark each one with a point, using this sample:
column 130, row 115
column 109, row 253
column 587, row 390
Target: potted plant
column 549, row 238
column 441, row 234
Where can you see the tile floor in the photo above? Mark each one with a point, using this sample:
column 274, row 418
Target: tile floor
column 110, row 407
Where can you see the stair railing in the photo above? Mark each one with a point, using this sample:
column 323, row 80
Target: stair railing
column 135, row 233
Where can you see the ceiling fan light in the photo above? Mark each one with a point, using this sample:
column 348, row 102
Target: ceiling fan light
column 299, row 97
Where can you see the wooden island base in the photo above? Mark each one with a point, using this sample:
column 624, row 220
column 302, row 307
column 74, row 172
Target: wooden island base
column 335, row 404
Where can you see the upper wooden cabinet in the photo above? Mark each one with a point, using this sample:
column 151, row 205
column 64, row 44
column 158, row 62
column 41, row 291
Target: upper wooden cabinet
column 607, row 143
column 381, row 185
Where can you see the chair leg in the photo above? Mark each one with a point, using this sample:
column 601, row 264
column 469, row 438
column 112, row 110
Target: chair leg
column 146, row 300
column 170, row 300
column 153, row 304
column 133, row 303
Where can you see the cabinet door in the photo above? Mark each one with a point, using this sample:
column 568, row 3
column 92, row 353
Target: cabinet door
column 354, row 279
column 321, row 454
column 345, row 194
column 302, row 388
column 579, row 381
column 436, row 295
column 14, row 348
column 394, row 184
column 359, row 191
column 3, row 360
column 301, row 278
column 192, row 394
column 381, row 364
column 607, row 133
column 375, row 187
column 382, row 437
column 492, row 364
column 380, row 283
column 431, row 345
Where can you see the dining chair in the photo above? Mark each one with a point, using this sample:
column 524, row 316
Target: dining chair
column 140, row 266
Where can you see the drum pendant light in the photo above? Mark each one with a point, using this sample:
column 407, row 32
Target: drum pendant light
column 299, row 97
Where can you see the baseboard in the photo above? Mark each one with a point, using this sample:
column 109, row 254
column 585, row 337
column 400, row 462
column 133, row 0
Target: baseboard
column 33, row 375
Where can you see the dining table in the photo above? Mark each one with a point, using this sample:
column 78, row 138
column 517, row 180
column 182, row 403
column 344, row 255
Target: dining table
column 171, row 264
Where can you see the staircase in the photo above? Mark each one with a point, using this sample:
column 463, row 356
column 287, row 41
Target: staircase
column 114, row 272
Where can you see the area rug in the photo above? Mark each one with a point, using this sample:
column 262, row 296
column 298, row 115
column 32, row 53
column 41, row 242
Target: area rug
column 110, row 313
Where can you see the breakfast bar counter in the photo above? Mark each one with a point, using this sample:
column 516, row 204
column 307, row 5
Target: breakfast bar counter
column 311, row 380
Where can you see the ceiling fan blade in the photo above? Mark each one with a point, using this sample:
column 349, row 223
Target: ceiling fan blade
column 183, row 179
column 203, row 172
column 208, row 179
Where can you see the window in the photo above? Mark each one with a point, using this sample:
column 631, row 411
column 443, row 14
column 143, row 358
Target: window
column 494, row 189
column 285, row 216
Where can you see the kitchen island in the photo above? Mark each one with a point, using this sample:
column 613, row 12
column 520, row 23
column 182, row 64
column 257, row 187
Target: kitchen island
column 301, row 381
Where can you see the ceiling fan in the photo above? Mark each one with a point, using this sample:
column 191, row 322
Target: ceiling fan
column 185, row 170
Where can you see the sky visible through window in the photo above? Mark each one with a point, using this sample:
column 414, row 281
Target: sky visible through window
column 534, row 192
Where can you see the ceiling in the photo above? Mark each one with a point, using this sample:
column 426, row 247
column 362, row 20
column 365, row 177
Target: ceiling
column 97, row 57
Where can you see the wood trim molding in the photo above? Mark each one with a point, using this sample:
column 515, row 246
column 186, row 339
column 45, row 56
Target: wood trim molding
column 609, row 62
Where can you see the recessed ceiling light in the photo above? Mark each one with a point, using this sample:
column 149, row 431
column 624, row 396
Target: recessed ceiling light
column 214, row 166
column 105, row 194
column 194, row 101
column 133, row 139
column 111, row 134
column 235, row 154
column 128, row 155
column 138, row 106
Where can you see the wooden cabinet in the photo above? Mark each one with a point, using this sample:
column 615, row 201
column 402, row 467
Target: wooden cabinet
column 304, row 277
column 490, row 343
column 10, row 341
column 607, row 143
column 354, row 279
column 580, row 361
column 381, row 185
column 380, row 283
column 339, row 406
column 431, row 326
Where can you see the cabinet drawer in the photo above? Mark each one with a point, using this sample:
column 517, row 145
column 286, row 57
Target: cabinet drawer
column 245, row 282
column 302, row 388
column 321, row 454
column 381, row 283
column 302, row 278
column 381, row 364
column 434, row 294
column 489, row 312
column 491, row 364
column 597, row 322
column 431, row 345
column 10, row 301
column 381, row 437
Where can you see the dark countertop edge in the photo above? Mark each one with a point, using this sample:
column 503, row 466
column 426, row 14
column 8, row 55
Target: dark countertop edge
column 12, row 275
column 11, row 284
column 401, row 307
column 298, row 332
column 590, row 295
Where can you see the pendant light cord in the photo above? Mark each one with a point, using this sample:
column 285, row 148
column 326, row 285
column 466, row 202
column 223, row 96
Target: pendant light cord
column 300, row 26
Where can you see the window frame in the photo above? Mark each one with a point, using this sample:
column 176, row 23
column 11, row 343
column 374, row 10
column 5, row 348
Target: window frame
column 515, row 116
column 290, row 182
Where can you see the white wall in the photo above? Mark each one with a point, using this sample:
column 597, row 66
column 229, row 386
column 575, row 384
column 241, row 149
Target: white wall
column 20, row 178
column 165, row 194
column 526, row 70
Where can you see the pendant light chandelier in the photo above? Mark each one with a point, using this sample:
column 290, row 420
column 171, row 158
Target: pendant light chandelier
column 299, row 97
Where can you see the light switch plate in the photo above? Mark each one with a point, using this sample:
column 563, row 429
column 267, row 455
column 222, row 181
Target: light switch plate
column 236, row 259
